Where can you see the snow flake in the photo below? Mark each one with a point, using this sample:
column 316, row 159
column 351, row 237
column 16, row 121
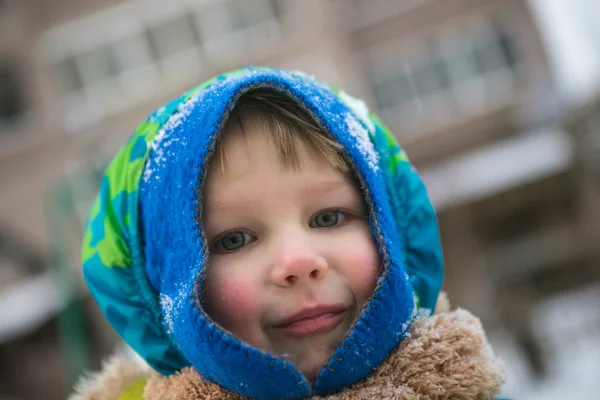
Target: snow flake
column 424, row 312
column 406, row 324
column 303, row 75
column 161, row 140
column 167, row 306
column 172, row 306
column 363, row 141
column 359, row 108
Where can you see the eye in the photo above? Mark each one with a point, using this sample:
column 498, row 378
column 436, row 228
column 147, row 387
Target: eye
column 327, row 219
column 233, row 241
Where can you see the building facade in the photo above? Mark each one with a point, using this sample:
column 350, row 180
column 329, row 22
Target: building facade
column 465, row 85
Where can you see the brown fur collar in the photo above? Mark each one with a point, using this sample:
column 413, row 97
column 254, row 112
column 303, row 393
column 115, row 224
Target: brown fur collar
column 117, row 374
column 446, row 357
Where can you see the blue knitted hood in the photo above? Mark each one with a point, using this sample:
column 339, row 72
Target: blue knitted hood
column 144, row 251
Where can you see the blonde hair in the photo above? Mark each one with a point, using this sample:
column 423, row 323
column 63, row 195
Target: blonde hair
column 286, row 127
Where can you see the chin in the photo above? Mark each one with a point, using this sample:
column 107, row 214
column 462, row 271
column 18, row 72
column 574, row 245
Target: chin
column 310, row 374
column 310, row 367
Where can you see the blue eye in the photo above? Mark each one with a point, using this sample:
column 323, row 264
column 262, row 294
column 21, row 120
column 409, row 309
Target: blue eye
column 233, row 241
column 327, row 219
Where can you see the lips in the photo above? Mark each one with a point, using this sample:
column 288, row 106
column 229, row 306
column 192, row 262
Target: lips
column 311, row 320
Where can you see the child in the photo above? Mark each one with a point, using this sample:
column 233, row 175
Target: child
column 265, row 237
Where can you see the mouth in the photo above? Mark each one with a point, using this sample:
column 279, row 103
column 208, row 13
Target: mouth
column 312, row 320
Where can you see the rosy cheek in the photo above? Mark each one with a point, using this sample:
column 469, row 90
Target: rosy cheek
column 371, row 266
column 238, row 292
column 365, row 267
column 234, row 302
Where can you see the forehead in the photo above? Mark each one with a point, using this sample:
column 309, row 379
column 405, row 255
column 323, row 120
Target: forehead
column 254, row 146
column 253, row 171
column 273, row 192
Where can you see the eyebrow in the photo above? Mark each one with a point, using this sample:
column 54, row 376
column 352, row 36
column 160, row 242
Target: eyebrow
column 327, row 186
column 320, row 188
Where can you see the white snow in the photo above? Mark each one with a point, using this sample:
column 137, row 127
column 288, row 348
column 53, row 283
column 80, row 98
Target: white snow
column 571, row 35
column 166, row 303
column 359, row 108
column 163, row 135
column 406, row 324
column 423, row 312
column 161, row 142
column 304, row 75
column 21, row 310
column 172, row 306
column 568, row 326
column 363, row 141
column 160, row 111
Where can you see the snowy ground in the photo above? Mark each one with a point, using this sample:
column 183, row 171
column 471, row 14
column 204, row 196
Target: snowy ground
column 569, row 325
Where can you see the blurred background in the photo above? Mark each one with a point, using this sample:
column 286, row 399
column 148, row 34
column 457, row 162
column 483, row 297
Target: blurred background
column 495, row 101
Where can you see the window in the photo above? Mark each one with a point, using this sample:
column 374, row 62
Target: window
column 98, row 65
column 588, row 131
column 494, row 52
column 68, row 76
column 133, row 53
column 251, row 13
column 12, row 104
column 176, row 46
column 138, row 72
column 363, row 13
column 174, row 37
column 240, row 26
column 431, row 76
column 104, row 70
column 396, row 89
column 104, row 78
column 461, row 69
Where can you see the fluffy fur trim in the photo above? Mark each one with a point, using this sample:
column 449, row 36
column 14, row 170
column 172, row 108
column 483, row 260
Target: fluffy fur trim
column 446, row 357
column 118, row 373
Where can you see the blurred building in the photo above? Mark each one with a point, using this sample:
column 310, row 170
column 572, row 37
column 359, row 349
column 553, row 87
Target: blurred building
column 466, row 85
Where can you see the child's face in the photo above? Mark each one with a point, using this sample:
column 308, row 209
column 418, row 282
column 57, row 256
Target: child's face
column 292, row 258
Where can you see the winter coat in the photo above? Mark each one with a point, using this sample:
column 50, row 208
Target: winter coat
column 446, row 356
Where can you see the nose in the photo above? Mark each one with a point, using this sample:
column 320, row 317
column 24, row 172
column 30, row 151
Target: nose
column 297, row 262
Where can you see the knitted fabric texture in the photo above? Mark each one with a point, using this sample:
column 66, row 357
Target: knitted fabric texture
column 446, row 356
column 144, row 250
